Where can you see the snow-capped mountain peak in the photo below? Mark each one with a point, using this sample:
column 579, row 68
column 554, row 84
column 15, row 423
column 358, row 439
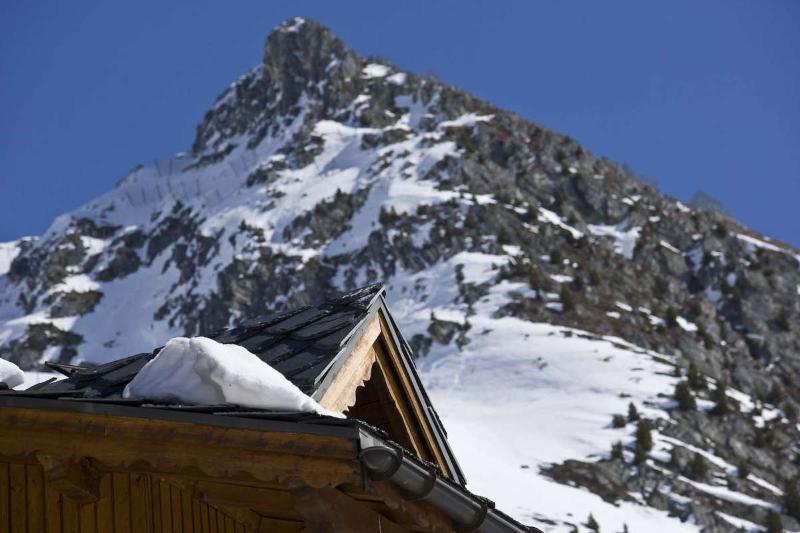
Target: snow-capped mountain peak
column 543, row 288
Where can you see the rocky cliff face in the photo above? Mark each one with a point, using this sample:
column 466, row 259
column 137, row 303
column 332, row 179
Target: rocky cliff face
column 321, row 170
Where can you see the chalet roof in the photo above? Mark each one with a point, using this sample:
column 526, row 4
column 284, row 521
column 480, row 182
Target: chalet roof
column 308, row 346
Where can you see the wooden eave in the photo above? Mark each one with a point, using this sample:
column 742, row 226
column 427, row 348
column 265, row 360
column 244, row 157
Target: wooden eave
column 155, row 440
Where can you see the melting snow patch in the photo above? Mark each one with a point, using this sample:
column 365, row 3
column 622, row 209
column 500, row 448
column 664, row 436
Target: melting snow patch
column 202, row 371
column 758, row 243
column 739, row 523
column 686, row 325
column 624, row 306
column 465, row 120
column 10, row 374
column 669, row 247
column 295, row 24
column 397, row 79
column 477, row 267
column 545, row 215
column 375, row 70
column 8, row 252
column 624, row 240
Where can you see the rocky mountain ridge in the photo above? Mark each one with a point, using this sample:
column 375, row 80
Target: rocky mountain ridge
column 321, row 170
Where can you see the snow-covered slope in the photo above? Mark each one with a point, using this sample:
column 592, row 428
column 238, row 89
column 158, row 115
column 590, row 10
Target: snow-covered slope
column 543, row 289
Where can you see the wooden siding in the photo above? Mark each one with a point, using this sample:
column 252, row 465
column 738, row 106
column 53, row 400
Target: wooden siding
column 128, row 503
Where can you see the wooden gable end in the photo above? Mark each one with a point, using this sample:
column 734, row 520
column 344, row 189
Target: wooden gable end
column 374, row 385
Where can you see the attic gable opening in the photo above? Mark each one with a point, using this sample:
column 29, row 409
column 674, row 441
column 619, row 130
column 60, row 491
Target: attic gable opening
column 375, row 406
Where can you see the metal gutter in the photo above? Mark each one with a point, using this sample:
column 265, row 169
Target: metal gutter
column 469, row 513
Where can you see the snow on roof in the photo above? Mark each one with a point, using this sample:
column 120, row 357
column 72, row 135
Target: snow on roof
column 200, row 370
column 10, row 374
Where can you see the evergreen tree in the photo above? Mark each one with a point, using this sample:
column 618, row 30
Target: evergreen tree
column 532, row 213
column 671, row 317
column 644, row 441
column 660, row 288
column 633, row 414
column 674, row 458
column 760, row 438
column 696, row 380
column 684, row 397
column 567, row 300
column 720, row 397
column 743, row 469
column 782, row 320
column 618, row 421
column 775, row 395
column 774, row 522
column 791, row 412
column 503, row 235
column 592, row 524
column 616, row 451
column 791, row 499
column 698, row 468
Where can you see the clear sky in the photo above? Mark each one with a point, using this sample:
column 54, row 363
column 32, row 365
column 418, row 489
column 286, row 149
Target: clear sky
column 691, row 94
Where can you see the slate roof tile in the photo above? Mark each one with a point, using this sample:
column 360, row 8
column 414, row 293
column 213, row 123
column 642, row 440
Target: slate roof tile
column 325, row 326
column 297, row 321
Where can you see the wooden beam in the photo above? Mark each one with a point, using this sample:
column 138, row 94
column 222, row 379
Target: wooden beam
column 126, row 445
column 341, row 393
column 328, row 510
column 101, row 426
column 75, row 477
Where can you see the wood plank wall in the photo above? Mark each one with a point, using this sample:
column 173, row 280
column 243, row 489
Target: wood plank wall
column 129, row 503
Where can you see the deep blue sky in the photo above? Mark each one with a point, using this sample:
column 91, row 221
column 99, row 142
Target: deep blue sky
column 694, row 94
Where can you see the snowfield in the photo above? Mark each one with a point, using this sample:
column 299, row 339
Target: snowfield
column 522, row 395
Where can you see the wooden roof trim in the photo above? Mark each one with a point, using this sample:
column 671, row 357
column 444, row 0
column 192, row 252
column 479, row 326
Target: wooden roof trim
column 354, row 372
